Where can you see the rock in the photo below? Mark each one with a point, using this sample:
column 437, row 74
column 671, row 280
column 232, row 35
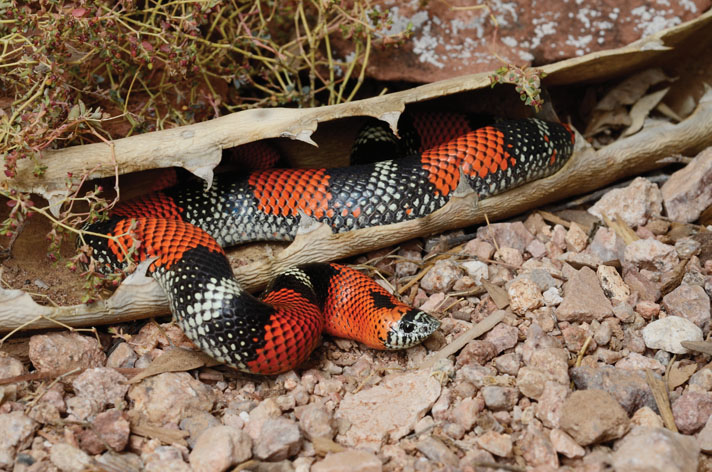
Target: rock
column 503, row 337
column 584, row 299
column 645, row 416
column 641, row 285
column 480, row 249
column 112, row 428
column 10, row 367
column 639, row 362
column 628, row 387
column 524, row 295
column 702, row 379
column 688, row 192
column 441, row 277
column 500, row 398
column 498, row 444
column 550, row 403
column 652, row 255
column 15, row 429
column 508, row 363
column 536, row 248
column 690, row 302
column 349, row 461
column 69, row 458
column 544, row 365
column 647, row 309
column 575, row 337
column 220, row 447
column 167, row 397
column 279, row 439
column 123, row 356
column 466, row 410
column 316, row 421
column 65, row 351
column 102, row 386
column 405, row 267
column 513, row 235
column 612, row 283
column 552, row 297
column 656, row 449
column 196, row 423
column 576, row 238
column 436, row 451
column 691, row 411
column 537, row 449
column 165, row 459
column 668, row 333
column 477, row 270
column 476, row 351
column 564, row 444
column 704, row 438
column 634, row 204
column 607, row 245
column 593, row 416
column 401, row 401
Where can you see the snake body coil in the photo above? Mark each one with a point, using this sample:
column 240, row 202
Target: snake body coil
column 185, row 228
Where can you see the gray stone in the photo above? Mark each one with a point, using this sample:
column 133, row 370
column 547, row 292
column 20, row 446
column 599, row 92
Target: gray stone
column 628, row 387
column 656, row 450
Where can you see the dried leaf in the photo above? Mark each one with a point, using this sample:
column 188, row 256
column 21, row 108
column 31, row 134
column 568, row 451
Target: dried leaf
column 678, row 375
column 141, row 427
column 498, row 294
column 324, row 446
column 641, row 110
column 174, row 360
column 662, row 400
column 699, row 346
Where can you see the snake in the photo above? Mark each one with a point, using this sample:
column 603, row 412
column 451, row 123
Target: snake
column 183, row 230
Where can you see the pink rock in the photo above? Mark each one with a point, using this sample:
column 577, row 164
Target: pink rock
column 441, row 277
column 10, row 367
column 691, row 411
column 267, row 409
column 550, row 403
column 688, row 192
column 351, row 460
column 165, row 398
column 564, row 444
column 279, row 439
column 316, row 420
column 647, row 309
column 503, row 337
column 498, row 444
column 466, row 410
column 476, row 351
column 652, row 255
column 112, row 428
column 640, row 285
column 510, row 256
column 436, row 451
column 512, row 235
column 401, row 401
column 536, row 248
column 576, row 238
column 219, row 448
column 656, row 449
column 101, row 385
column 15, row 429
column 537, row 448
column 690, row 302
column 575, row 336
column 524, row 295
column 607, row 245
column 584, row 299
column 69, row 458
column 638, row 362
column 646, row 417
column 500, row 398
column 123, row 356
column 480, row 249
column 165, row 458
column 593, row 416
column 65, row 351
column 635, row 204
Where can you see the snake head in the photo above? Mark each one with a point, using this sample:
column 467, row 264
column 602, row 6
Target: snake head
column 411, row 329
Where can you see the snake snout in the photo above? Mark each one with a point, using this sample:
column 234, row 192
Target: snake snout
column 413, row 328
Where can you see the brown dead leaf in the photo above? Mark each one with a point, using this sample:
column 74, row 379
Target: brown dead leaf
column 498, row 294
column 175, row 360
column 141, row 427
column 678, row 374
column 621, row 229
column 642, row 108
column 699, row 346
